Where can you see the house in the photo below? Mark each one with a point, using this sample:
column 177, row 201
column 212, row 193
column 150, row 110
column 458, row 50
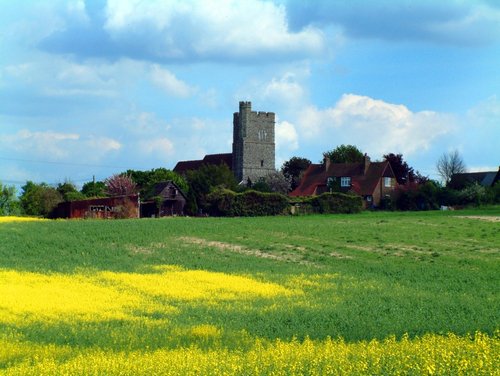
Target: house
column 105, row 207
column 168, row 199
column 371, row 180
column 486, row 179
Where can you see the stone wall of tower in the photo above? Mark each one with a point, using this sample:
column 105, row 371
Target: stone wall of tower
column 253, row 143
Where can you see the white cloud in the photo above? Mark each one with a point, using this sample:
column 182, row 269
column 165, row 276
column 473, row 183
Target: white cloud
column 285, row 89
column 178, row 29
column 40, row 143
column 461, row 22
column 286, row 137
column 102, row 144
column 145, row 123
column 57, row 76
column 162, row 147
column 373, row 125
column 57, row 146
column 169, row 83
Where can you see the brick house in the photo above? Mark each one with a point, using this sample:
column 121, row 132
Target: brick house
column 370, row 180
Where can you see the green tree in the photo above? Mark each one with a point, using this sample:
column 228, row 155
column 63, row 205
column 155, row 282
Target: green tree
column 404, row 173
column 202, row 181
column 344, row 154
column 39, row 199
column 9, row 204
column 69, row 192
column 146, row 180
column 94, row 189
column 293, row 169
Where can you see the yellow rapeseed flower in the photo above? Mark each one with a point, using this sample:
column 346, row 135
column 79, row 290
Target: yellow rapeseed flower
column 19, row 219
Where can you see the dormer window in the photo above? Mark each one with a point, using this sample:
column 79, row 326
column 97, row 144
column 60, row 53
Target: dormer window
column 387, row 182
column 345, row 181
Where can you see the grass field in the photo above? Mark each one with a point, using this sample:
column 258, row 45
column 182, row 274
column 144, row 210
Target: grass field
column 374, row 293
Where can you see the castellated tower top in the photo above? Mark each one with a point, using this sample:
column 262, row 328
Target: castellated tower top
column 253, row 143
column 246, row 105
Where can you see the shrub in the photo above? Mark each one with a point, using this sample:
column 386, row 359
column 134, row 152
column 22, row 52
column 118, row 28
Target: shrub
column 126, row 210
column 224, row 202
column 474, row 194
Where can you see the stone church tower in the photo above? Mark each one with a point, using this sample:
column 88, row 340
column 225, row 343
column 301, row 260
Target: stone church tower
column 253, row 143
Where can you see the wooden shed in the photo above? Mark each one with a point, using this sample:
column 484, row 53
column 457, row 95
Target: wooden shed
column 106, row 207
column 168, row 199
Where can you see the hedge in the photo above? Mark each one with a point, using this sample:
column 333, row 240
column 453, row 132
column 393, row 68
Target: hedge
column 328, row 203
column 224, row 202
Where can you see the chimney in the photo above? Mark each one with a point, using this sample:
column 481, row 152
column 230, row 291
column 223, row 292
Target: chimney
column 366, row 160
column 327, row 163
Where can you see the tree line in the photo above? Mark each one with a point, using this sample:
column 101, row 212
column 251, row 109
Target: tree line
column 415, row 191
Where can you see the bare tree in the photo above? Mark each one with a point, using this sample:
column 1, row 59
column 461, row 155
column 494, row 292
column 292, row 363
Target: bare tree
column 449, row 164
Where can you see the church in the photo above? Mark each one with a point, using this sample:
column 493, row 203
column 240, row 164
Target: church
column 253, row 155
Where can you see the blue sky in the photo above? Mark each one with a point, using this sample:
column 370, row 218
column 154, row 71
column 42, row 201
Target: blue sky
column 97, row 87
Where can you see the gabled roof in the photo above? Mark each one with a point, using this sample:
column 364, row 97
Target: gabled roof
column 212, row 159
column 363, row 183
column 160, row 187
column 485, row 178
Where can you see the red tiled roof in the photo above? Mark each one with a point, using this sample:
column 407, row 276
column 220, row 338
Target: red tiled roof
column 213, row 159
column 362, row 183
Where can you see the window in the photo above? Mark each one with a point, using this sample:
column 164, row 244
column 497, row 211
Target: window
column 345, row 181
column 369, row 198
column 262, row 134
column 262, row 163
column 387, row 182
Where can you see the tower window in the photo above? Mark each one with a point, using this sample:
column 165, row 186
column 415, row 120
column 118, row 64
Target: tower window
column 262, row 134
column 261, row 163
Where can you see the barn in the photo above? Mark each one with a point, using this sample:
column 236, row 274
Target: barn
column 168, row 200
column 105, row 207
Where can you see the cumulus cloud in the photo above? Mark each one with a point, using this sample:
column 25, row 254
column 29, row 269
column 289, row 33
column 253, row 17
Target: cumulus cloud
column 373, row 125
column 169, row 83
column 40, row 143
column 58, row 77
column 162, row 147
column 286, row 89
column 176, row 30
column 286, row 137
column 56, row 146
column 450, row 22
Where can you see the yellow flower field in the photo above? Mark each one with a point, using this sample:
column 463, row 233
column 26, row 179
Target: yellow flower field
column 154, row 302
column 428, row 355
column 19, row 219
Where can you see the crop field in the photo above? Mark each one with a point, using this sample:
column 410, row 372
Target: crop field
column 370, row 293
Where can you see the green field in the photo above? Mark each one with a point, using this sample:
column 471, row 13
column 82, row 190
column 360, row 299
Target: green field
column 373, row 293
